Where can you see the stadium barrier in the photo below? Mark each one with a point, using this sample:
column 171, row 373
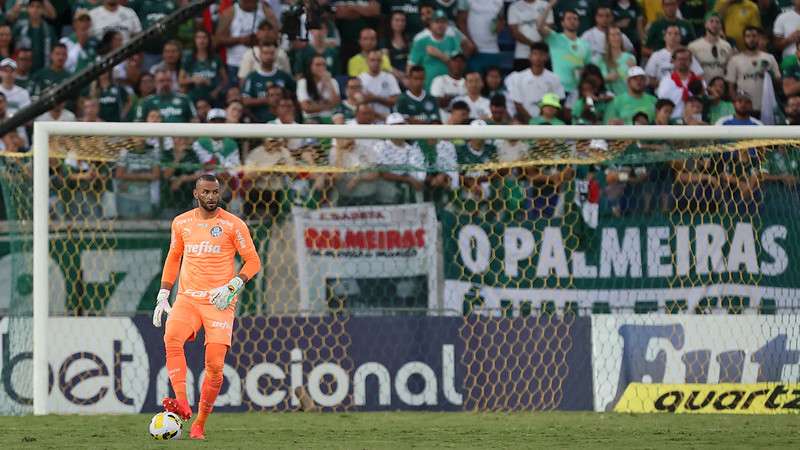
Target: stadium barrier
column 531, row 274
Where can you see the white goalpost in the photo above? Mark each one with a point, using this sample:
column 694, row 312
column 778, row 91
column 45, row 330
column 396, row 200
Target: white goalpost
column 43, row 131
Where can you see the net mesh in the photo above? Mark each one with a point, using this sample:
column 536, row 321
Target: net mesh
column 517, row 240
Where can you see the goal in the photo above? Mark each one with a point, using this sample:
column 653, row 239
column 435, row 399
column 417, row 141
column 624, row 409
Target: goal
column 409, row 267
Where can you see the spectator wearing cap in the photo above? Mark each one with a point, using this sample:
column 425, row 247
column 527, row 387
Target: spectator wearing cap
column 660, row 63
column 367, row 41
column 219, row 155
column 622, row 108
column 432, row 49
column 35, row 34
column 787, row 30
column 527, row 87
column 738, row 15
column 569, row 52
column 173, row 107
column 747, row 70
column 478, row 104
column 742, row 112
column 522, row 18
column 81, row 45
column 450, row 85
column 712, row 51
column 55, row 74
column 415, row 104
column 481, row 21
column 656, row 30
column 113, row 16
column 402, row 178
column 682, row 83
column 15, row 96
column 597, row 36
column 380, row 88
column 549, row 108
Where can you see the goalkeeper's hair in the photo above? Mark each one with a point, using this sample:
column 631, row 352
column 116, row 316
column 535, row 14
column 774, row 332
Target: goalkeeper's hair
column 207, row 177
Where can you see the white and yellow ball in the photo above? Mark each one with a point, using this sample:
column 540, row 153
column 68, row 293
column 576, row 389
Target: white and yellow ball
column 165, row 426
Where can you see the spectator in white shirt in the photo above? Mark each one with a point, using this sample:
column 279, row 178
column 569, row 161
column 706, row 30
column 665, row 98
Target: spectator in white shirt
column 403, row 157
column 113, row 16
column 682, row 83
column 380, row 88
column 478, row 104
column 522, row 17
column 318, row 92
column 57, row 114
column 787, row 30
column 449, row 86
column 596, row 36
column 526, row 88
column 660, row 63
column 16, row 97
column 481, row 21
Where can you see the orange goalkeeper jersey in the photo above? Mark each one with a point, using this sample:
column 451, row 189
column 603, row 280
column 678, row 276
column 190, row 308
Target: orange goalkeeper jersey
column 208, row 248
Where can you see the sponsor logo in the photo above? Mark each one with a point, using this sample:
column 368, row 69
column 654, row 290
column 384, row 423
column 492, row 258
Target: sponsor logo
column 205, row 247
column 323, row 239
column 221, row 324
column 425, row 389
column 729, row 398
column 216, row 231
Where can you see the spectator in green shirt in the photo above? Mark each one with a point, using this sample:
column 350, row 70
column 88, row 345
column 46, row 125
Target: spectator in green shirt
column 35, row 34
column 172, row 107
column 113, row 99
column 568, row 52
column 655, row 33
column 717, row 103
column 549, row 107
column 433, row 48
column 55, row 74
column 202, row 73
column 317, row 45
column 623, row 107
column 254, row 90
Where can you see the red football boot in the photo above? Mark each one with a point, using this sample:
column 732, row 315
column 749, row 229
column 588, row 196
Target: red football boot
column 179, row 407
column 197, row 432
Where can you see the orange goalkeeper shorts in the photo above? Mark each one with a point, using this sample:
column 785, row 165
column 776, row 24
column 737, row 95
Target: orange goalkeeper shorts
column 197, row 312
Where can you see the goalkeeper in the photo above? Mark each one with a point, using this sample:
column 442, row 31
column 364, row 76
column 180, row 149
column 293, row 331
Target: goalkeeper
column 207, row 238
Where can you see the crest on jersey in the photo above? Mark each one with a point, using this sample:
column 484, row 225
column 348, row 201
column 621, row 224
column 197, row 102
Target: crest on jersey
column 216, row 231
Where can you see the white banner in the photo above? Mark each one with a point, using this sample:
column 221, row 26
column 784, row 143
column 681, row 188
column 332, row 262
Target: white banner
column 691, row 349
column 338, row 248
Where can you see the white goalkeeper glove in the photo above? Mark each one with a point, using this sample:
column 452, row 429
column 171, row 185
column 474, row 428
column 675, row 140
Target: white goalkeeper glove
column 222, row 296
column 162, row 306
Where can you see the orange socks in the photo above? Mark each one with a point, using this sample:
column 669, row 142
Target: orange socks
column 175, row 337
column 215, row 361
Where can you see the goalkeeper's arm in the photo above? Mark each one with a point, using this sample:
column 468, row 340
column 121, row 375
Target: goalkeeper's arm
column 171, row 267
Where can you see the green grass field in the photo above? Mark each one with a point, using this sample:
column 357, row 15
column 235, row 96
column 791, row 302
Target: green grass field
column 414, row 430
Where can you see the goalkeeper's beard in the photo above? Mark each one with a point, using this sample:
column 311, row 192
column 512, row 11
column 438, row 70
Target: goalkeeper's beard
column 206, row 206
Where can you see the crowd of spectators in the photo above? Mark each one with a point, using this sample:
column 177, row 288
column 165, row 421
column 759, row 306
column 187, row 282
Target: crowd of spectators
column 480, row 62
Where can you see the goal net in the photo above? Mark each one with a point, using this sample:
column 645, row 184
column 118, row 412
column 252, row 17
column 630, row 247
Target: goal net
column 408, row 267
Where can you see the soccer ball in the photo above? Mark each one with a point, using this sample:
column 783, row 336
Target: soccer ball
column 166, row 425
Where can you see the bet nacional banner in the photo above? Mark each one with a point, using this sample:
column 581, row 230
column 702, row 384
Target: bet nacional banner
column 117, row 365
column 662, row 351
column 337, row 248
column 498, row 263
